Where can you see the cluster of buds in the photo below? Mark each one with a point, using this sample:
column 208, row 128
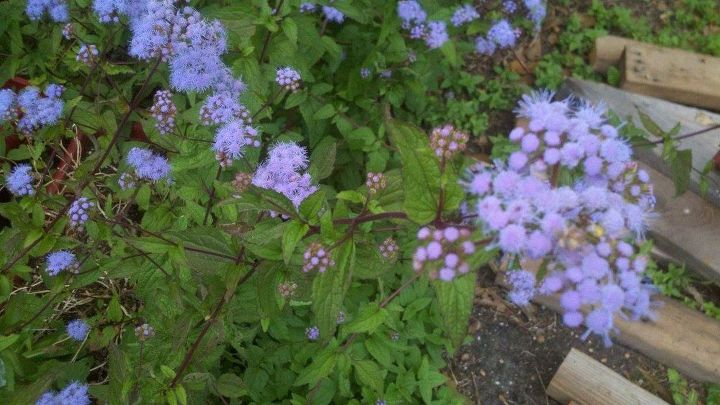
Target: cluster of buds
column 68, row 31
column 79, row 211
column 221, row 108
column 340, row 318
column 286, row 289
column 389, row 249
column 447, row 141
column 288, row 78
column 365, row 73
column 312, row 333
column 375, row 182
column 242, row 181
column 127, row 181
column 316, row 257
column 144, row 332
column 443, row 252
column 88, row 54
column 164, row 111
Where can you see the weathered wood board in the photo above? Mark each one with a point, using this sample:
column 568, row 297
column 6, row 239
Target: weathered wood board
column 608, row 51
column 680, row 337
column 585, row 381
column 671, row 74
column 666, row 115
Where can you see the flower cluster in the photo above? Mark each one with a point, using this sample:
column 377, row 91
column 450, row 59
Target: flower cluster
column 164, row 111
column 57, row 9
column 447, row 141
column 78, row 329
column 79, row 211
column 331, row 14
column 38, row 109
column 443, row 252
column 144, row 332
column 463, row 15
column 242, row 181
column 74, row 394
column 413, row 17
column 288, row 78
column 580, row 232
column 60, row 261
column 501, row 35
column 231, row 140
column 286, row 289
column 282, row 172
column 146, row 165
column 375, row 182
column 221, row 108
column 389, row 249
column 312, row 333
column 88, row 54
column 68, row 31
column 19, row 180
column 109, row 11
column 316, row 257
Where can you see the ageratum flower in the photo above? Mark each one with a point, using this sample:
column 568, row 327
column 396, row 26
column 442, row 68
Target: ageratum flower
column 109, row 11
column 503, row 34
column 39, row 110
column 74, row 394
column 312, row 333
column 60, row 261
column 164, row 111
column 333, row 15
column 579, row 231
column 148, row 165
column 79, row 211
column 410, row 12
column 57, row 9
column 88, row 54
column 282, row 172
column 232, row 139
column 19, row 180
column 436, row 34
column 288, row 78
column 78, row 329
column 8, row 105
column 464, row 14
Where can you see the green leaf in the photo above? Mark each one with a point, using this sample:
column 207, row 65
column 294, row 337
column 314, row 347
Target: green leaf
column 428, row 379
column 420, row 171
column 7, row 341
column 114, row 312
column 650, row 125
column 378, row 347
column 311, row 206
column 294, row 232
column 455, row 301
column 324, row 112
column 681, row 167
column 230, row 385
column 369, row 374
column 320, row 368
column 369, row 318
column 290, row 29
column 322, row 160
column 329, row 288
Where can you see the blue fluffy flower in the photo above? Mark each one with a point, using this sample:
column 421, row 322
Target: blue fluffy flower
column 8, row 106
column 74, row 394
column 20, row 179
column 78, row 329
column 57, row 9
column 148, row 165
column 59, row 261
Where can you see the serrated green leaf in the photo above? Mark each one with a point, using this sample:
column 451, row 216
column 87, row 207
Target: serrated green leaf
column 324, row 112
column 322, row 160
column 321, row 367
column 329, row 289
column 455, row 301
column 369, row 374
column 230, row 385
column 294, row 232
column 681, row 167
column 368, row 320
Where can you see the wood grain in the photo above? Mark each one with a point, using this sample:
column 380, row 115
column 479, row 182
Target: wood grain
column 671, row 74
column 584, row 381
column 608, row 51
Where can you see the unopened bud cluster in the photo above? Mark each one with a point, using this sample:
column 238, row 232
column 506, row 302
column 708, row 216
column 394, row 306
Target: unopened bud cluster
column 288, row 78
column 443, row 252
column 144, row 332
column 286, row 289
column 164, row 111
column 242, row 181
column 447, row 141
column 375, row 182
column 316, row 257
column 88, row 54
column 389, row 249
column 79, row 211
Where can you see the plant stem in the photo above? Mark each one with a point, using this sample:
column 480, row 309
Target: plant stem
column 684, row 136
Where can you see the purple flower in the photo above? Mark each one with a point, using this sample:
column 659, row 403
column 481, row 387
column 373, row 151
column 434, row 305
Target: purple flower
column 195, row 69
column 74, row 394
column 410, row 12
column 8, row 105
column 108, row 11
column 317, row 257
column 57, row 9
column 59, row 261
column 512, row 238
column 484, row 46
column 312, row 333
column 282, row 172
column 437, row 34
column 365, row 73
column 163, row 110
column 600, row 322
column 232, row 139
column 288, row 78
column 38, row 110
column 333, row 15
column 463, row 15
column 79, row 211
column 503, row 34
column 78, row 329
column 509, row 6
column 222, row 108
column 148, row 165
column 523, row 286
column 537, row 12
column 307, row 7
column 19, row 180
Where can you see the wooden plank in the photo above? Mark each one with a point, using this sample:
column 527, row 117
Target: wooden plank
column 680, row 337
column 608, row 51
column 671, row 74
column 686, row 227
column 666, row 115
column 585, row 381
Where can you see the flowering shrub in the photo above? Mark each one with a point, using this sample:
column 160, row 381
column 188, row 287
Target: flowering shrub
column 215, row 202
